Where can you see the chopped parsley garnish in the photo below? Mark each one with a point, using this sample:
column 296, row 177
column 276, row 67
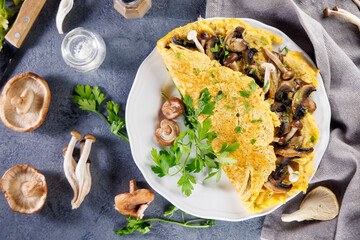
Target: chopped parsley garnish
column 252, row 141
column 284, row 48
column 313, row 138
column 215, row 48
column 196, row 71
column 245, row 94
column 247, row 107
column 263, row 40
column 252, row 70
column 178, row 55
column 234, row 98
column 238, row 129
column 253, row 121
column 229, row 106
column 215, row 81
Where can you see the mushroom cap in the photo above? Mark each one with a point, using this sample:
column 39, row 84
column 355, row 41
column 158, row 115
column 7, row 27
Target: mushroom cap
column 168, row 131
column 129, row 203
column 31, row 120
column 24, row 188
column 319, row 204
column 172, row 108
column 90, row 137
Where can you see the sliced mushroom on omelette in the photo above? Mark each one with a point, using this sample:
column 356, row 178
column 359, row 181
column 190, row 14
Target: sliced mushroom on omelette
column 231, row 65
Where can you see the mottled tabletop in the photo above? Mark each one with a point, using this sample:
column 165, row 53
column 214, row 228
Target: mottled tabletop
column 128, row 43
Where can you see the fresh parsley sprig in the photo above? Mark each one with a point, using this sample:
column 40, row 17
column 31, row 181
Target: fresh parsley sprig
column 197, row 140
column 90, row 99
column 144, row 225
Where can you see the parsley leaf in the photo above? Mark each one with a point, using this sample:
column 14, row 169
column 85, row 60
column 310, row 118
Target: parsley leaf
column 186, row 183
column 171, row 211
column 313, row 138
column 90, row 99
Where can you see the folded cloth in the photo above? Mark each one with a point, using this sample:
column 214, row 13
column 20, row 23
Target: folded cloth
column 337, row 55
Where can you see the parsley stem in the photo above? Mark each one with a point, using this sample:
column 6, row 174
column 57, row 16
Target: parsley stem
column 185, row 224
column 116, row 133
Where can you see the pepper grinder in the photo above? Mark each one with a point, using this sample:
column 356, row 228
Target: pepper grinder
column 132, row 8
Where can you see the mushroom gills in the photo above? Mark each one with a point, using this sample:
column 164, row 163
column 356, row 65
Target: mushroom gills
column 319, row 204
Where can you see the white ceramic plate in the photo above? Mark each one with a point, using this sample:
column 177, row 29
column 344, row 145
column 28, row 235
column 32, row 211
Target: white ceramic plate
column 208, row 200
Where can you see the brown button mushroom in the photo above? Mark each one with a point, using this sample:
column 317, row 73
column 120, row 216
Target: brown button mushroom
column 24, row 188
column 168, row 131
column 134, row 203
column 24, row 102
column 172, row 108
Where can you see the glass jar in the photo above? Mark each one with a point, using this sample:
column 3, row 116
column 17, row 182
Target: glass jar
column 83, row 50
column 132, row 8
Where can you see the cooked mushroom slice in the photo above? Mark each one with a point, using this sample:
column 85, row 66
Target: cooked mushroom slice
column 82, row 171
column 234, row 42
column 24, row 188
column 295, row 126
column 24, row 102
column 182, row 43
column 70, row 164
column 203, row 37
column 168, row 131
column 286, row 74
column 269, row 68
column 192, row 36
column 275, row 179
column 231, row 60
column 293, row 148
column 285, row 126
column 172, row 108
column 211, row 50
column 285, row 89
column 294, row 176
column 301, row 102
column 135, row 202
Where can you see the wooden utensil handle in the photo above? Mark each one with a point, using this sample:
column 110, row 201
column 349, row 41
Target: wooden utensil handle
column 28, row 13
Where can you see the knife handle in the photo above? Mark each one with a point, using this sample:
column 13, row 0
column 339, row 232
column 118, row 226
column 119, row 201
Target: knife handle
column 27, row 15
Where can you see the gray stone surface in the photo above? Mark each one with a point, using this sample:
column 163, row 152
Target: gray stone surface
column 128, row 43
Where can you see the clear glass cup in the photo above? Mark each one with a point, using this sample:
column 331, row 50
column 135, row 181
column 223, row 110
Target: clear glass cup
column 83, row 50
column 132, row 8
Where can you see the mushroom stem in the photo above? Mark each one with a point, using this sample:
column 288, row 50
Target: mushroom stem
column 82, row 172
column 268, row 67
column 70, row 164
column 132, row 185
column 343, row 14
column 28, row 188
column 23, row 102
column 192, row 36
column 357, row 2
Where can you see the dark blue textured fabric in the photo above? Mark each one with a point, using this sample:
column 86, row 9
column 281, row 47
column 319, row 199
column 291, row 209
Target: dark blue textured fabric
column 128, row 43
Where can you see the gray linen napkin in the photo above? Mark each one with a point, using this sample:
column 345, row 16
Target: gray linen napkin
column 336, row 51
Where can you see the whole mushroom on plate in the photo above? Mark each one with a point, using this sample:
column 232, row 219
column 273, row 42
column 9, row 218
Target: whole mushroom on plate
column 24, row 102
column 24, row 188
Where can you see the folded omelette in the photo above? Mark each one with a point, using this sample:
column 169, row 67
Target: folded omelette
column 270, row 119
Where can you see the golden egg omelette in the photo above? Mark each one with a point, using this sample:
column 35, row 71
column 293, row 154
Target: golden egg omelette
column 266, row 109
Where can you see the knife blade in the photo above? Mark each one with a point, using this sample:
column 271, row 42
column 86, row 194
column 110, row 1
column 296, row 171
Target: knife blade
column 27, row 15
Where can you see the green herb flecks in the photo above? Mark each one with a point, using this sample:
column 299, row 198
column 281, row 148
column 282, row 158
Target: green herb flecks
column 247, row 107
column 144, row 225
column 263, row 40
column 178, row 55
column 252, row 141
column 312, row 139
column 90, row 99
